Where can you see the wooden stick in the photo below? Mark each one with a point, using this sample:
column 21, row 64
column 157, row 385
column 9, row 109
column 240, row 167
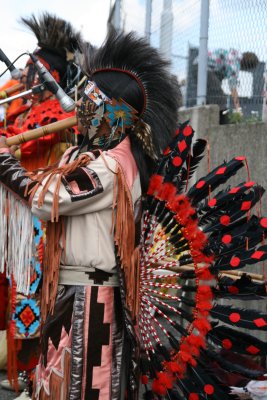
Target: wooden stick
column 252, row 275
column 254, row 278
column 7, row 92
column 190, row 267
column 42, row 131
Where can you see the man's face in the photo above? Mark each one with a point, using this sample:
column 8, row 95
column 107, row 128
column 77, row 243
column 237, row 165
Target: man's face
column 89, row 117
column 29, row 76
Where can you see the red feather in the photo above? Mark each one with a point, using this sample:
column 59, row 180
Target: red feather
column 155, row 184
column 202, row 325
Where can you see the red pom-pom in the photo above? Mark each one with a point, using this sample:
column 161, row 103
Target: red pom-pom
column 193, row 396
column 185, row 347
column 202, row 325
column 174, row 367
column 178, row 203
column 164, row 379
column 203, row 305
column 204, row 293
column 158, row 388
column 196, row 340
column 162, row 383
column 193, row 350
column 187, row 358
column 167, row 192
column 205, row 274
column 144, row 379
column 155, row 184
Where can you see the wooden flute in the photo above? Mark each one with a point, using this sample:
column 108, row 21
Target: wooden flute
column 8, row 91
column 42, row 131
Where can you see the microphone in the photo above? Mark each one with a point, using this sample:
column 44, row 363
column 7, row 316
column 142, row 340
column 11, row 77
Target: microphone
column 15, row 73
column 66, row 102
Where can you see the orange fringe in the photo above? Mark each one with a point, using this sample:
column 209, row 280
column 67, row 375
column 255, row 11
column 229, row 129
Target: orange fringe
column 124, row 235
column 58, row 384
column 52, row 256
column 13, row 346
column 54, row 229
column 66, row 379
column 51, row 173
column 124, row 238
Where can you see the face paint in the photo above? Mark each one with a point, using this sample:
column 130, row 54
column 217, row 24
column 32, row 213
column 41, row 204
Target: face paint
column 104, row 120
column 86, row 112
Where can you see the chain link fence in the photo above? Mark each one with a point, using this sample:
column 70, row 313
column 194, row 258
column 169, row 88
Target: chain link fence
column 235, row 27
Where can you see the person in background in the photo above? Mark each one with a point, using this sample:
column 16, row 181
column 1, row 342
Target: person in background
column 10, row 110
column 226, row 64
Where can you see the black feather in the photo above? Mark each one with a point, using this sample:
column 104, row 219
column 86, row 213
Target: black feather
column 54, row 33
column 218, row 176
column 237, row 341
column 250, row 319
column 192, row 162
column 234, row 367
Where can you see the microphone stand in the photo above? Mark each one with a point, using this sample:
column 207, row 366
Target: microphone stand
column 34, row 90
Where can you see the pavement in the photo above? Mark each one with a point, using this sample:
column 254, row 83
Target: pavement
column 6, row 394
column 9, row 395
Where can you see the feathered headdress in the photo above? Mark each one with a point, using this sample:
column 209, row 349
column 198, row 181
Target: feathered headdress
column 128, row 67
column 57, row 42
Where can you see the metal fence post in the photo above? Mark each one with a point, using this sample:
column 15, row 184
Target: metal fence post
column 148, row 19
column 264, row 100
column 166, row 25
column 203, row 53
column 117, row 15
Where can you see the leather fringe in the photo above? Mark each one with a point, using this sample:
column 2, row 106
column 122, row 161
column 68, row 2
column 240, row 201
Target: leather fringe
column 124, row 237
column 52, row 256
column 59, row 386
column 124, row 234
column 13, row 346
column 55, row 228
column 50, row 174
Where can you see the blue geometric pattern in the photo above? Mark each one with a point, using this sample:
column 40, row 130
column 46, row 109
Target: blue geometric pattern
column 119, row 113
column 27, row 317
column 36, row 272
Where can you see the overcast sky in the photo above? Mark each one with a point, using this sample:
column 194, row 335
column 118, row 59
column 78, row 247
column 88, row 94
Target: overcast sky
column 240, row 24
column 89, row 16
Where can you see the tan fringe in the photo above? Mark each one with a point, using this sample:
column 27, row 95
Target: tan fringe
column 52, row 256
column 55, row 389
column 59, row 387
column 66, row 379
column 55, row 229
column 50, row 173
column 13, row 346
column 124, row 237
